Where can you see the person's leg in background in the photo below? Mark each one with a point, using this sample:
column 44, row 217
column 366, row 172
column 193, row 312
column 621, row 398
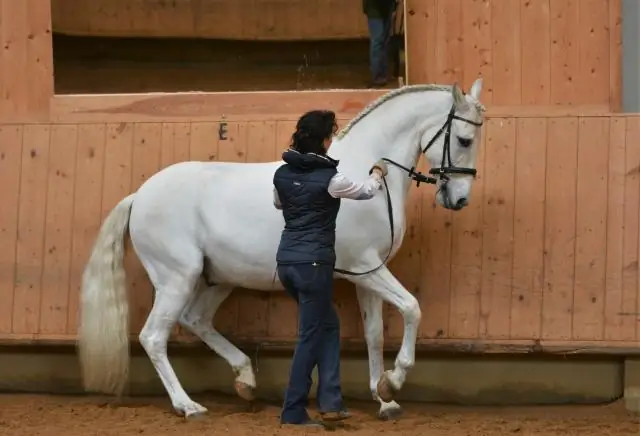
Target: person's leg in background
column 378, row 56
column 314, row 304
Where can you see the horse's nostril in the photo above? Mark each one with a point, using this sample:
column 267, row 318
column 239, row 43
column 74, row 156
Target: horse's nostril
column 462, row 202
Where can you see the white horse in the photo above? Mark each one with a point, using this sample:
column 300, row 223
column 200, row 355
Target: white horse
column 214, row 224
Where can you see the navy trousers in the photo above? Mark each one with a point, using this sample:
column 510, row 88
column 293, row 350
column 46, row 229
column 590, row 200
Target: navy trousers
column 379, row 48
column 311, row 285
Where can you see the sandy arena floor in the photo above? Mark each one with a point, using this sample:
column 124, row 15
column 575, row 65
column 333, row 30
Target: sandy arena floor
column 74, row 416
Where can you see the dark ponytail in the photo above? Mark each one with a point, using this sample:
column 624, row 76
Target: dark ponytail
column 311, row 131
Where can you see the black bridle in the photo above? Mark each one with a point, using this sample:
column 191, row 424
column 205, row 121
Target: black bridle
column 446, row 168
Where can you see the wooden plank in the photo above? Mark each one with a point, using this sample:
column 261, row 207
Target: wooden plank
column 39, row 59
column 507, row 63
column 497, row 247
column 536, row 68
column 13, row 40
column 253, row 313
column 565, row 56
column 421, row 32
column 589, row 290
column 466, row 258
column 528, row 229
column 560, row 228
column 204, row 142
column 629, row 309
column 147, row 144
column 615, row 229
column 282, row 322
column 449, row 47
column 54, row 294
column 594, row 45
column 10, row 169
column 231, row 149
column 259, row 106
column 478, row 59
column 31, row 219
column 615, row 55
column 91, row 168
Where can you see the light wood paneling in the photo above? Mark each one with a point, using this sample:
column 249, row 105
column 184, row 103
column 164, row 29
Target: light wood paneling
column 530, row 52
column 545, row 256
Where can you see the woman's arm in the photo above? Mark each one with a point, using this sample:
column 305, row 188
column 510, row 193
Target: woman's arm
column 342, row 187
column 276, row 199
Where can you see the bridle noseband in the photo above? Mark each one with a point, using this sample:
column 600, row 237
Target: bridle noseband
column 446, row 167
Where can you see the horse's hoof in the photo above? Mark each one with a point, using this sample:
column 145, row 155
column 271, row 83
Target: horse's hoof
column 386, row 391
column 194, row 412
column 244, row 391
column 390, row 414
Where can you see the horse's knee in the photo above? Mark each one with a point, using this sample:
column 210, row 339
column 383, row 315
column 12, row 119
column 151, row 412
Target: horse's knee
column 411, row 311
column 152, row 342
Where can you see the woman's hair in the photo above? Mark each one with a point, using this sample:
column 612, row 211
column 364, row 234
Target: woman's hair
column 311, row 131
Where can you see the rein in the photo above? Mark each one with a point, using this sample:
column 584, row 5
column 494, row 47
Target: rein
column 446, row 167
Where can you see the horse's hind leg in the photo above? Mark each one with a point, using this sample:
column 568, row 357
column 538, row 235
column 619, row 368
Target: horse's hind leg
column 172, row 296
column 198, row 318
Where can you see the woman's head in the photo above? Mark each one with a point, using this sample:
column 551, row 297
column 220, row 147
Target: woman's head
column 314, row 131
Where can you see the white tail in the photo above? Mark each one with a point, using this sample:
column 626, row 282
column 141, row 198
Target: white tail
column 103, row 341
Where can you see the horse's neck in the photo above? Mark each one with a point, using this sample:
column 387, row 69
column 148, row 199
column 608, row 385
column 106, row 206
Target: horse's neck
column 391, row 131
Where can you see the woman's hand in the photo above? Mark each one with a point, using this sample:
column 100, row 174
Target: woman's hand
column 380, row 168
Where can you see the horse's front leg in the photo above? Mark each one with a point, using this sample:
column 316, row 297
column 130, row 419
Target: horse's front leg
column 387, row 287
column 372, row 320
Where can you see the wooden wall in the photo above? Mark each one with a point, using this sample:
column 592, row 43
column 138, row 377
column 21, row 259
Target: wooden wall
column 530, row 52
column 26, row 62
column 545, row 256
column 224, row 19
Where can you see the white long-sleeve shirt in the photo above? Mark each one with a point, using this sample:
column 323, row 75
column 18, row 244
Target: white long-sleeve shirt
column 340, row 186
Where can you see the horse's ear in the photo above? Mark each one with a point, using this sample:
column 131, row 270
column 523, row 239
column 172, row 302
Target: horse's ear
column 458, row 96
column 476, row 88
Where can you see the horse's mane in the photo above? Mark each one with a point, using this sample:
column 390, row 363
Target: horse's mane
column 396, row 92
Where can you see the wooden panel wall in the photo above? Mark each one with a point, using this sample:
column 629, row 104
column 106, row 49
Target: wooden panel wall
column 530, row 52
column 545, row 256
column 26, row 61
column 225, row 19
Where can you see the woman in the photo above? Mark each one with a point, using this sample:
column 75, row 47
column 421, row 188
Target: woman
column 308, row 189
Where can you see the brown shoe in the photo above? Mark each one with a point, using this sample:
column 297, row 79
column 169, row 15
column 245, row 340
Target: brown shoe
column 310, row 424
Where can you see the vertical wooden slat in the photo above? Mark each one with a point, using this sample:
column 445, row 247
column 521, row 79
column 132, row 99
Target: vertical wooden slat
column 478, row 46
column 58, row 230
column 466, row 257
column 591, row 229
column 10, row 169
column 435, row 286
column 253, row 312
column 232, row 149
column 88, row 203
column 629, row 310
column 13, row 31
column 449, row 43
column 31, row 219
column 615, row 55
column 421, row 41
column 147, row 143
column 528, row 229
column 39, row 59
column 565, row 56
column 506, row 51
column 560, row 228
column 497, row 247
column 204, row 142
column 535, row 46
column 594, row 43
column 283, row 320
column 615, row 229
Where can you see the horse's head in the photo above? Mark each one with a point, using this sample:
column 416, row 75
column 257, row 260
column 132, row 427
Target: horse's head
column 452, row 148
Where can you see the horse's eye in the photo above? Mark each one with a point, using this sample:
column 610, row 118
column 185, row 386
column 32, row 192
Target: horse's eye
column 465, row 142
